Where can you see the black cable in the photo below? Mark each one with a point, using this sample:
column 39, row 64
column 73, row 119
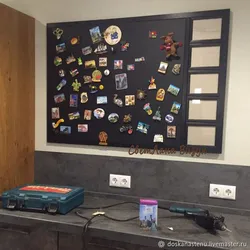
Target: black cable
column 109, row 206
column 120, row 220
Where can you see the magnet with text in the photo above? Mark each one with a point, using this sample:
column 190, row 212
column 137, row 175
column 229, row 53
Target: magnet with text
column 58, row 33
column 152, row 34
column 95, row 34
column 124, row 46
column 129, row 100
column 171, row 131
column 56, row 124
column 70, row 59
column 113, row 118
column 55, row 113
column 176, row 69
column 142, row 127
column 74, row 116
column 101, row 100
column 118, row 64
column 126, row 128
column 121, row 81
column 83, row 128
column 74, row 72
column 127, row 118
column 152, row 84
column 175, row 108
column 76, row 85
column 169, row 118
column 61, row 73
column 87, row 115
column 84, row 97
column 65, row 130
column 148, row 108
column 61, row 84
column 75, row 40
column 87, row 50
column 90, row 64
column 96, row 76
column 79, row 61
column 103, row 61
column 87, row 79
column 157, row 115
column 101, row 49
column 173, row 90
column 160, row 95
column 158, row 138
column 99, row 113
column 163, row 67
column 73, row 100
column 59, row 98
column 112, row 35
column 93, row 89
column 106, row 72
column 117, row 101
column 130, row 67
column 60, row 48
column 141, row 94
column 58, row 61
column 103, row 138
column 140, row 59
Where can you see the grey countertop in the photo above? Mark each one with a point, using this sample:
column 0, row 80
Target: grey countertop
column 184, row 230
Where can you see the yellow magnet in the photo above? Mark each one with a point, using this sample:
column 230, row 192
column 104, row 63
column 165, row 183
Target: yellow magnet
column 56, row 125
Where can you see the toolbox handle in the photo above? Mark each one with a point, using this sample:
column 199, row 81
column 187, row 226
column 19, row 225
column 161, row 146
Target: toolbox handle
column 11, row 229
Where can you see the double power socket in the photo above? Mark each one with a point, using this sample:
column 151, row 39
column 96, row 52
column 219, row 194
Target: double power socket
column 120, row 181
column 222, row 191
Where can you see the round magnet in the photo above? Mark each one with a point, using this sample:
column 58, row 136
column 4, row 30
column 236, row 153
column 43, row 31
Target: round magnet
column 101, row 87
column 169, row 118
column 99, row 113
column 130, row 131
column 96, row 76
column 106, row 72
column 112, row 35
column 113, row 117
column 75, row 40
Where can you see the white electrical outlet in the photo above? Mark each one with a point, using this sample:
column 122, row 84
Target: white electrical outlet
column 121, row 181
column 222, row 191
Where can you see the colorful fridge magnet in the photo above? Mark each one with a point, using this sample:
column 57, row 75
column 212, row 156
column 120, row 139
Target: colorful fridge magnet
column 58, row 61
column 171, row 131
column 106, row 72
column 99, row 113
column 101, row 49
column 79, row 61
column 130, row 67
column 129, row 100
column 158, row 138
column 121, row 81
column 140, row 59
column 96, row 76
column 56, row 124
column 176, row 69
column 157, row 115
column 152, row 84
column 93, row 89
column 163, row 67
column 113, row 118
column 170, row 46
column 61, row 73
column 74, row 116
column 90, row 64
column 74, row 72
column 95, row 34
column 175, row 108
column 65, row 130
column 87, row 50
column 141, row 94
column 103, row 137
column 173, row 90
column 75, row 40
column 118, row 64
column 55, row 113
column 60, row 48
column 101, row 87
column 84, row 97
column 160, row 95
column 126, row 128
column 152, row 34
column 112, row 35
column 76, row 85
column 73, row 101
column 103, row 61
column 142, row 127
column 61, row 84
column 70, row 59
column 117, row 101
column 169, row 118
column 87, row 115
column 87, row 79
column 148, row 108
column 127, row 118
column 58, row 33
column 59, row 98
column 101, row 100
column 124, row 46
column 82, row 128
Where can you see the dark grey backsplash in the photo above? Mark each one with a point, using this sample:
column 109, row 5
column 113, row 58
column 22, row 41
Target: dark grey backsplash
column 167, row 180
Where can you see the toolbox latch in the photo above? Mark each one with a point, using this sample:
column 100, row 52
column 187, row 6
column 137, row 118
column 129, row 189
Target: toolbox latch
column 52, row 208
column 11, row 204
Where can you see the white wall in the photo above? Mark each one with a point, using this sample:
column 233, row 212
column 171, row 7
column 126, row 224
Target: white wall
column 236, row 127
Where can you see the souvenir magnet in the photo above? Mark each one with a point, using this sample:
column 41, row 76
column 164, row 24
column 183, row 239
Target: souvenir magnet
column 55, row 113
column 140, row 59
column 58, row 61
column 59, row 98
column 141, row 94
column 74, row 116
column 118, row 64
column 87, row 79
column 121, row 81
column 160, row 95
column 58, row 33
column 66, row 130
column 130, row 67
column 76, row 85
column 74, row 72
column 163, row 67
column 106, row 72
column 90, row 64
column 70, row 59
column 152, row 34
column 60, row 48
column 173, row 89
column 103, row 137
column 112, row 35
column 75, row 40
column 101, row 49
column 99, row 113
column 73, row 101
column 101, row 100
column 84, row 97
column 126, row 128
column 152, row 84
column 142, row 127
column 117, row 101
column 87, row 50
column 129, row 100
column 158, row 138
column 175, row 108
column 157, row 115
column 101, row 87
column 92, row 89
column 103, row 61
column 79, row 61
column 56, row 124
column 96, row 76
column 95, row 34
column 169, row 118
column 61, row 73
column 176, row 69
column 61, row 84
column 124, row 46
column 113, row 118
column 171, row 131
column 87, row 115
column 127, row 118
column 82, row 128
column 148, row 109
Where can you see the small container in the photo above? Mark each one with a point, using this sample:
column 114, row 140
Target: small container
column 148, row 214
